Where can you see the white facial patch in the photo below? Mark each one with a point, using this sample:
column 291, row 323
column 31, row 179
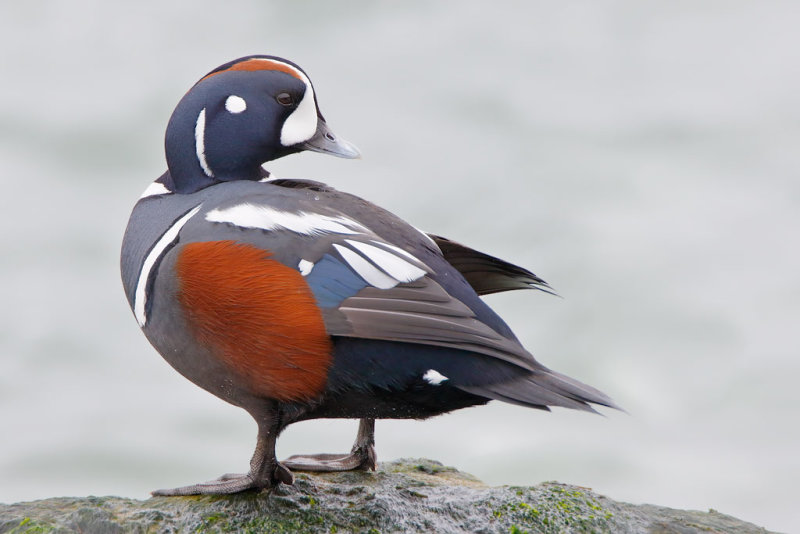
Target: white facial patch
column 235, row 104
column 200, row 142
column 267, row 218
column 301, row 125
column 166, row 239
column 434, row 377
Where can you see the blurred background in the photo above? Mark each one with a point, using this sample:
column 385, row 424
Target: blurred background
column 643, row 159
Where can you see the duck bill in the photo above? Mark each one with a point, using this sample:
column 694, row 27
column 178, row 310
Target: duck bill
column 326, row 142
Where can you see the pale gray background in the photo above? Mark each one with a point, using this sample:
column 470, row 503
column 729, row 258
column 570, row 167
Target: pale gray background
column 641, row 157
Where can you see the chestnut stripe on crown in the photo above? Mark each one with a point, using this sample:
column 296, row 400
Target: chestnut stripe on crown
column 254, row 64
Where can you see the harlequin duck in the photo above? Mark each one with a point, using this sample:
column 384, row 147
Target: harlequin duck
column 296, row 301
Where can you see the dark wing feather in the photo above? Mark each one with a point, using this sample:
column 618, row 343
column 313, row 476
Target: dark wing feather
column 421, row 312
column 487, row 274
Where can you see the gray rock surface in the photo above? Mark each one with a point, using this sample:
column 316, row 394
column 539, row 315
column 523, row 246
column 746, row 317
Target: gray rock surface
column 402, row 496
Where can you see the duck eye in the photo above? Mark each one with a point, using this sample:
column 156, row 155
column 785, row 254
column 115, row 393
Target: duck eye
column 285, row 99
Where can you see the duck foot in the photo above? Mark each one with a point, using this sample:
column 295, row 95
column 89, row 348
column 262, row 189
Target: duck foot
column 232, row 483
column 361, row 457
column 265, row 471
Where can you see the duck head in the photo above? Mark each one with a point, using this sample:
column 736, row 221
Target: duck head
column 240, row 115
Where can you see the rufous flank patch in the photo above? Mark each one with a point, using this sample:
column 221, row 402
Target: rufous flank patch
column 257, row 315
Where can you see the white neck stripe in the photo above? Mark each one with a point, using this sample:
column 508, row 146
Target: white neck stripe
column 200, row 143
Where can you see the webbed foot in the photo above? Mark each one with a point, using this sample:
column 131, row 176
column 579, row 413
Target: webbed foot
column 233, row 483
column 362, row 456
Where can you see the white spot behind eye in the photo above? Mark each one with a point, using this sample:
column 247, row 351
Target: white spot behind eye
column 235, row 104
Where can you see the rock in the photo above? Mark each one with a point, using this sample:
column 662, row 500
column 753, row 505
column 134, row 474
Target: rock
column 402, row 496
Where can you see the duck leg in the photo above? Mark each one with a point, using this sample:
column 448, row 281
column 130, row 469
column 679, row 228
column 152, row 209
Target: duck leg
column 265, row 470
column 361, row 457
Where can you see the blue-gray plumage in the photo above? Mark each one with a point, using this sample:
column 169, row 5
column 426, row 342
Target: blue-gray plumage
column 294, row 300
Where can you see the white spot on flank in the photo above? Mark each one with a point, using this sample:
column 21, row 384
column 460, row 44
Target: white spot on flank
column 301, row 125
column 200, row 143
column 305, row 267
column 235, row 104
column 156, row 188
column 167, row 238
column 371, row 274
column 434, row 377
column 396, row 267
column 267, row 218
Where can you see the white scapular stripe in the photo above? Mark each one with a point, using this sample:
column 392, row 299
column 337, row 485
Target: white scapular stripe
column 429, row 238
column 235, row 104
column 371, row 274
column 267, row 218
column 301, row 125
column 156, row 188
column 434, row 377
column 140, row 296
column 305, row 267
column 399, row 251
column 393, row 265
column 200, row 142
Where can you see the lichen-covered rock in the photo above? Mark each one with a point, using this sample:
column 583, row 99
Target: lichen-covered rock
column 402, row 496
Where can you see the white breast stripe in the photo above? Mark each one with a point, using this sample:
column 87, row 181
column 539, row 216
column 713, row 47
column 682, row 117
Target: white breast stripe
column 140, row 296
column 434, row 377
column 301, row 125
column 371, row 274
column 266, row 218
column 156, row 188
column 200, row 142
column 396, row 267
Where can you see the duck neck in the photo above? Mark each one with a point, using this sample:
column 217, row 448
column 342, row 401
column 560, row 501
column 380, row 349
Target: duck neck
column 192, row 163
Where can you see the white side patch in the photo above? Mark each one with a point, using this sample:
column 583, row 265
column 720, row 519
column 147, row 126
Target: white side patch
column 154, row 189
column 266, row 218
column 371, row 274
column 301, row 125
column 200, row 142
column 140, row 296
column 305, row 267
column 396, row 267
column 434, row 377
column 235, row 104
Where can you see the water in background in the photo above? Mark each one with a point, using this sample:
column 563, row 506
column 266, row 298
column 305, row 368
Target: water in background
column 642, row 159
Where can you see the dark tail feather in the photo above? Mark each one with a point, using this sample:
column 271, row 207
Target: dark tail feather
column 545, row 388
